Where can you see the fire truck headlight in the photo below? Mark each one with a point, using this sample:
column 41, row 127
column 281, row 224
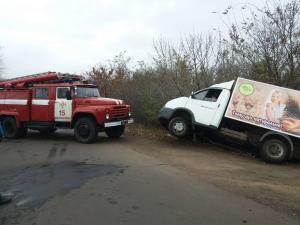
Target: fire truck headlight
column 107, row 116
column 129, row 114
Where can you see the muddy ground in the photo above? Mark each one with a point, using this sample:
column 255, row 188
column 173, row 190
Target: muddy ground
column 230, row 166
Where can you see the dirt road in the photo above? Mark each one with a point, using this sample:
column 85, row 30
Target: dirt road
column 136, row 180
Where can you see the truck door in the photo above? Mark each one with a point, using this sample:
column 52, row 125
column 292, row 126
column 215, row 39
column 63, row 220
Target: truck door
column 222, row 104
column 40, row 107
column 208, row 106
column 63, row 105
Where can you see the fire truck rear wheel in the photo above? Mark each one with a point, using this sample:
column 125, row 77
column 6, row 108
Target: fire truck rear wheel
column 10, row 128
column 115, row 132
column 85, row 130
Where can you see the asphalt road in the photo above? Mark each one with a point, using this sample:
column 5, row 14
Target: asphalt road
column 56, row 180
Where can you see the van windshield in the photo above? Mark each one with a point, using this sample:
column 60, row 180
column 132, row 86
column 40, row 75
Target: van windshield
column 86, row 92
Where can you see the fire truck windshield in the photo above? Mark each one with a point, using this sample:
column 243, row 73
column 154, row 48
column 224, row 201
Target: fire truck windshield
column 86, row 92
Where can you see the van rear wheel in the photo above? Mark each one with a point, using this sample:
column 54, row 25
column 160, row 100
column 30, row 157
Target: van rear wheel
column 274, row 151
column 179, row 127
column 85, row 130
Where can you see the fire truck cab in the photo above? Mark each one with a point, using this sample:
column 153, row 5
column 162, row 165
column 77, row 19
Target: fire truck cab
column 48, row 101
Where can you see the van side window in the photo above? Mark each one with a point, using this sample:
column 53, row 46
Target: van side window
column 41, row 93
column 200, row 95
column 210, row 95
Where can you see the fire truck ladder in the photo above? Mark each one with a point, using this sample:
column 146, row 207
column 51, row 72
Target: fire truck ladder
column 48, row 77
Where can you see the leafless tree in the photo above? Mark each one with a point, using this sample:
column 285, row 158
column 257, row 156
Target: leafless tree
column 173, row 67
column 199, row 51
column 228, row 64
column 270, row 41
column 103, row 77
column 121, row 75
column 111, row 77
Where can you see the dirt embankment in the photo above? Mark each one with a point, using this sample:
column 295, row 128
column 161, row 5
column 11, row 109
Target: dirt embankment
column 277, row 186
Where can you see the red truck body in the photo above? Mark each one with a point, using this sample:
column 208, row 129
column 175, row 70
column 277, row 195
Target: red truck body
column 51, row 100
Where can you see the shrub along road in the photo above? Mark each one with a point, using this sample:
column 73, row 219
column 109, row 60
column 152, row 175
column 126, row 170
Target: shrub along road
column 136, row 180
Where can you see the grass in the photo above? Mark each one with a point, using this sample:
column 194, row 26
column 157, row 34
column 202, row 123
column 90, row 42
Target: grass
column 148, row 131
column 157, row 133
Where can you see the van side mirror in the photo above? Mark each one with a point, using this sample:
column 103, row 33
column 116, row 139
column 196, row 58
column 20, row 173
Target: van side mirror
column 192, row 94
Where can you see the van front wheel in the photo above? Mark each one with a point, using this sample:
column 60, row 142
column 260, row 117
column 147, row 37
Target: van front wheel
column 179, row 127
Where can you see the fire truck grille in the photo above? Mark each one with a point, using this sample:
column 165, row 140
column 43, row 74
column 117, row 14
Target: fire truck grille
column 119, row 112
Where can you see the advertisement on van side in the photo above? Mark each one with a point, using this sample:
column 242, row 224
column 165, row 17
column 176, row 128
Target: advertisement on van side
column 265, row 105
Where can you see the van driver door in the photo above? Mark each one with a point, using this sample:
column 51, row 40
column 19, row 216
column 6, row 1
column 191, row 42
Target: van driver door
column 209, row 106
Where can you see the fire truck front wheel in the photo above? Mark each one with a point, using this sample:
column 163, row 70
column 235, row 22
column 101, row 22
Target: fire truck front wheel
column 115, row 132
column 85, row 130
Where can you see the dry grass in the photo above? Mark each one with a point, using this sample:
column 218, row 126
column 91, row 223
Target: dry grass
column 153, row 132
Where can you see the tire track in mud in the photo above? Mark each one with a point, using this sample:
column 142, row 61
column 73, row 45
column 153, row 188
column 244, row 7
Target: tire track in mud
column 57, row 149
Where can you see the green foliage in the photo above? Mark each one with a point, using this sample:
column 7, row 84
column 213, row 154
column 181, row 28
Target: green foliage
column 150, row 107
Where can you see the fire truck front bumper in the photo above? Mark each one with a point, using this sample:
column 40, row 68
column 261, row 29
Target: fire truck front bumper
column 118, row 123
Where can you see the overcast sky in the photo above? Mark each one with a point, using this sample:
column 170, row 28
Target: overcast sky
column 73, row 35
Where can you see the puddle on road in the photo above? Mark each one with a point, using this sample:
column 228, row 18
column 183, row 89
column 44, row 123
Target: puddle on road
column 33, row 185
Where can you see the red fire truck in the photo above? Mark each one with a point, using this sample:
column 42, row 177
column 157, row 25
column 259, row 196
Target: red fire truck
column 51, row 100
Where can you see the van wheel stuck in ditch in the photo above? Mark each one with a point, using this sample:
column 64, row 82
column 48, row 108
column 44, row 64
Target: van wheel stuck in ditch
column 241, row 111
column 179, row 127
column 274, row 151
